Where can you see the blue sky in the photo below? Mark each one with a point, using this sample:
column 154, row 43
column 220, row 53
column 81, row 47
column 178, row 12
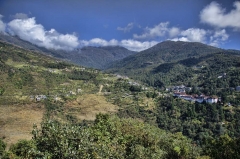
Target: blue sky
column 133, row 24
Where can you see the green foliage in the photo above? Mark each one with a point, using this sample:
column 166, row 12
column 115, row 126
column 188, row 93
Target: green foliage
column 223, row 147
column 58, row 65
column 52, row 80
column 20, row 78
column 151, row 94
column 215, row 74
column 108, row 137
column 2, row 147
column 24, row 149
column 197, row 121
column 2, row 90
column 135, row 88
column 81, row 75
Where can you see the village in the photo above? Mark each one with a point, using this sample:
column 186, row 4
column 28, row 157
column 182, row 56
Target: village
column 180, row 92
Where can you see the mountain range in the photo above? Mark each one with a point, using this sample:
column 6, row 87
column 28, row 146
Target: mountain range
column 172, row 63
column 167, row 51
column 167, row 63
column 94, row 57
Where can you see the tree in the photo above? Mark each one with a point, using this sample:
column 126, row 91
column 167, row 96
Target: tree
column 223, row 147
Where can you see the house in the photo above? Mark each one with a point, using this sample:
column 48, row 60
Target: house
column 82, row 69
column 188, row 97
column 40, row 97
column 200, row 99
column 72, row 93
column 212, row 100
column 79, row 90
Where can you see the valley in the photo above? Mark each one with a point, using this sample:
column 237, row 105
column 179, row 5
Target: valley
column 125, row 104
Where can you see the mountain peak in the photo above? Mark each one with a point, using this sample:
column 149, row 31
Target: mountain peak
column 180, row 45
column 167, row 51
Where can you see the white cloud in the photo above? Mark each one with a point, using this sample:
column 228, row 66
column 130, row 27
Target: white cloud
column 2, row 25
column 191, row 35
column 215, row 15
column 157, row 31
column 98, row 42
column 219, row 37
column 127, row 28
column 135, row 45
column 214, row 38
column 174, row 31
column 221, row 34
column 194, row 34
column 180, row 39
column 28, row 30
column 130, row 44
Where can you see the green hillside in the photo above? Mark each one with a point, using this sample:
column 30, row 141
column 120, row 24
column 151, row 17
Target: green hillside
column 31, row 82
column 167, row 51
column 99, row 57
column 177, row 63
column 60, row 104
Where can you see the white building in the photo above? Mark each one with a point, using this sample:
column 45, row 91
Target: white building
column 212, row 100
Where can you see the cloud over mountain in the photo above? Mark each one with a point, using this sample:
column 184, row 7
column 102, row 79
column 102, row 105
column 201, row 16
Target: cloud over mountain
column 218, row 37
column 194, row 34
column 130, row 44
column 2, row 25
column 215, row 15
column 27, row 29
column 157, row 31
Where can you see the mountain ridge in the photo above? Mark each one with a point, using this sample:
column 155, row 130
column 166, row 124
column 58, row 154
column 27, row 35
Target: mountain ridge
column 167, row 51
column 170, row 63
column 88, row 56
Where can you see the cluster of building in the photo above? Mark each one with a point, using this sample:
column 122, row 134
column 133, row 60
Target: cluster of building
column 180, row 92
column 196, row 98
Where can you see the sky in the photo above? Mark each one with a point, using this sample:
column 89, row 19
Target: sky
column 134, row 24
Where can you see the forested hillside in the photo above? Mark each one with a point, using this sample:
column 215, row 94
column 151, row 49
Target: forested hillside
column 164, row 52
column 193, row 64
column 77, row 112
column 99, row 57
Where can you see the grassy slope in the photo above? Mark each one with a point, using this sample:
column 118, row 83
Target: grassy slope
column 18, row 112
column 25, row 73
